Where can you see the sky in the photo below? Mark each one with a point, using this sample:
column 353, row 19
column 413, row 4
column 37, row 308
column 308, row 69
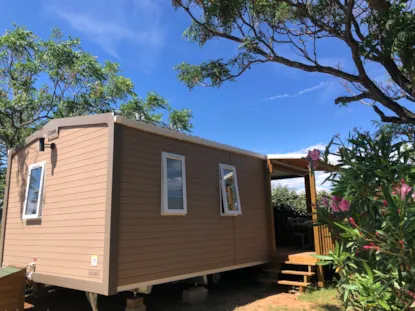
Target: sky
column 270, row 109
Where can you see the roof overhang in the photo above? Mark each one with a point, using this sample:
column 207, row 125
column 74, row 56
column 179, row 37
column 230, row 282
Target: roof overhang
column 282, row 168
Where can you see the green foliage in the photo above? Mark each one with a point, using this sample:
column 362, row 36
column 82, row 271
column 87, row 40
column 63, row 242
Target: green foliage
column 375, row 32
column 291, row 202
column 288, row 200
column 374, row 253
column 54, row 78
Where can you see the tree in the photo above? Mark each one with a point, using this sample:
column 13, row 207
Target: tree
column 375, row 32
column 45, row 79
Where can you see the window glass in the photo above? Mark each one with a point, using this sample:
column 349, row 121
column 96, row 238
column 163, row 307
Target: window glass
column 34, row 190
column 229, row 178
column 175, row 184
column 230, row 203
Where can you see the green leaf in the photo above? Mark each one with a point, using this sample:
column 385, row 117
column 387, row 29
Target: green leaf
column 384, row 304
column 382, row 173
column 350, row 286
column 322, row 257
column 368, row 270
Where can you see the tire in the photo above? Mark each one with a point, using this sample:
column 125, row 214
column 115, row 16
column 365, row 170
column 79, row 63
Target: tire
column 214, row 280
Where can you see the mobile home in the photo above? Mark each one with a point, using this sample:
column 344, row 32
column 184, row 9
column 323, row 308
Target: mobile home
column 105, row 204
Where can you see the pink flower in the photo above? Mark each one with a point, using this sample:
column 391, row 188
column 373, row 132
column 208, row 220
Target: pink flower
column 336, row 198
column 334, row 206
column 325, row 201
column 352, row 222
column 314, row 154
column 410, row 293
column 385, row 203
column 371, row 246
column 402, row 242
column 405, row 189
column 413, row 196
column 399, row 210
column 344, row 205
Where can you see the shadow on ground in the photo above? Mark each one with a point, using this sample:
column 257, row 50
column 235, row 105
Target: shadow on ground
column 330, row 308
column 237, row 291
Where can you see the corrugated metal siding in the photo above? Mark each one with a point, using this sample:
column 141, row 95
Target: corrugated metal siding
column 73, row 216
column 152, row 246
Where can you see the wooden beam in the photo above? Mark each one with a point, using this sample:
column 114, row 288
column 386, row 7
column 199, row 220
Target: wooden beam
column 269, row 165
column 285, row 177
column 312, row 197
column 289, row 168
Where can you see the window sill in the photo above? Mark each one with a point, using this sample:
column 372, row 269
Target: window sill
column 173, row 213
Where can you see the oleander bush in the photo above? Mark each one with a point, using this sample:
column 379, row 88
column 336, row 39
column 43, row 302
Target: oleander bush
column 372, row 218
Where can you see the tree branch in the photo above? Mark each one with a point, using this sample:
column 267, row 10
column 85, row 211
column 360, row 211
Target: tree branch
column 391, row 119
column 276, row 58
column 350, row 99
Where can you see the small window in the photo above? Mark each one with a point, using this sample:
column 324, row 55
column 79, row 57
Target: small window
column 34, row 191
column 173, row 184
column 230, row 203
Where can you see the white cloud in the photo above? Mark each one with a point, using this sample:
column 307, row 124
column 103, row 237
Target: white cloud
column 298, row 183
column 117, row 27
column 299, row 93
column 332, row 90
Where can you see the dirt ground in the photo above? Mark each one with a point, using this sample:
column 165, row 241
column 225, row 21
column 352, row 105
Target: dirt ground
column 237, row 293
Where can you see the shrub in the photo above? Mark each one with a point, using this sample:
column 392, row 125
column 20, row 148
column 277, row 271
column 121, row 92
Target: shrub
column 372, row 217
column 290, row 201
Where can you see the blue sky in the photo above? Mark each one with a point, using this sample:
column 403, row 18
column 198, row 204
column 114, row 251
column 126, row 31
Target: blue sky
column 271, row 109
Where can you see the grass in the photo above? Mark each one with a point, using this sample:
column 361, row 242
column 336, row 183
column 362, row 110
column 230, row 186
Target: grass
column 325, row 299
column 319, row 300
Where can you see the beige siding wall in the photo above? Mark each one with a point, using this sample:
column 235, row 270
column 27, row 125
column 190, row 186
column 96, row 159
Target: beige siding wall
column 152, row 246
column 71, row 228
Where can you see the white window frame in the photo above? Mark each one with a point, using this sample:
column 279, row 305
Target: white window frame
column 164, row 189
column 41, row 187
column 224, row 199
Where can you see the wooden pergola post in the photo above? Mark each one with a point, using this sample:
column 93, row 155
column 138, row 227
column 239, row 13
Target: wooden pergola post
column 311, row 198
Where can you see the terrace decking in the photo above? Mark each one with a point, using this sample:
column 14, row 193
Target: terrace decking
column 296, row 256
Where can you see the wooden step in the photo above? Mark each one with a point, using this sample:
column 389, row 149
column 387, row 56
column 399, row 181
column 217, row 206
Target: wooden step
column 269, row 280
column 293, row 272
column 293, row 283
column 299, row 263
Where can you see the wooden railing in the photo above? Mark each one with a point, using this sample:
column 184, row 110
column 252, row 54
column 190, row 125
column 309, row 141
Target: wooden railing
column 322, row 240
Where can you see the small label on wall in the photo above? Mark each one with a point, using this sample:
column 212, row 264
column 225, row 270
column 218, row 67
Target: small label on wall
column 94, row 261
column 53, row 134
column 94, row 274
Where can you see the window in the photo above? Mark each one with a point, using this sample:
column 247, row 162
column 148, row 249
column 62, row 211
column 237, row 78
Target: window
column 230, row 203
column 34, row 191
column 173, row 184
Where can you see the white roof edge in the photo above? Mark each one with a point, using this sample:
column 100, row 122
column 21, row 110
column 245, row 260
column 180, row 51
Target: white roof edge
column 285, row 156
column 180, row 136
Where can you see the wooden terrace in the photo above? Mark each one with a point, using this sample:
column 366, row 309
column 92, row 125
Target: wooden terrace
column 294, row 258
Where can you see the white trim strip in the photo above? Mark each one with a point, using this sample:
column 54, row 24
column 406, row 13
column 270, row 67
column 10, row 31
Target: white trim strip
column 180, row 136
column 187, row 276
column 39, row 204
